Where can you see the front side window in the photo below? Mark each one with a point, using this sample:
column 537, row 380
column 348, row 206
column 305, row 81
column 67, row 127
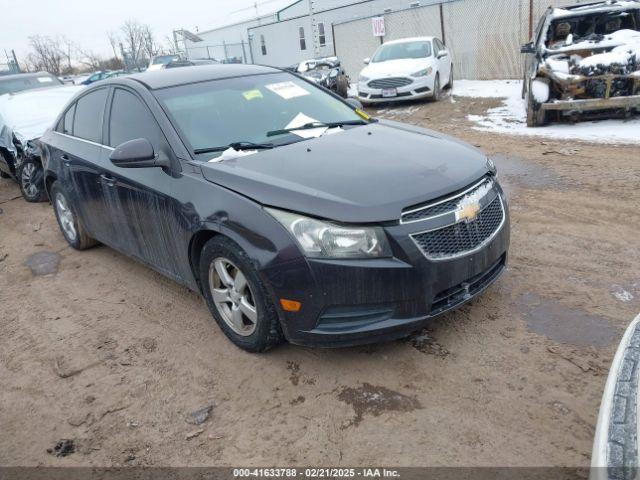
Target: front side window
column 219, row 112
column 87, row 122
column 131, row 119
column 263, row 45
column 322, row 38
column 401, row 51
column 303, row 42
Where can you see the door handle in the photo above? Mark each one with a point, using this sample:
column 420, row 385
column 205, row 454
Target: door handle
column 108, row 180
column 65, row 160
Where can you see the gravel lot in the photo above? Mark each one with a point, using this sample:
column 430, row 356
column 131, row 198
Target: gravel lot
column 97, row 348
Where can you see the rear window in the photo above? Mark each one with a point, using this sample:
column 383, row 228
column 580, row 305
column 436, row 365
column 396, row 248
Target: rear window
column 28, row 82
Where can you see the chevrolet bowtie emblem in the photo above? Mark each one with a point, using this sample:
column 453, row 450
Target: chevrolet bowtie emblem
column 468, row 212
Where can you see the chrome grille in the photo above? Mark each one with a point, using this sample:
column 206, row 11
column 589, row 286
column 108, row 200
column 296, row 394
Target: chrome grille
column 463, row 237
column 391, row 82
column 445, row 206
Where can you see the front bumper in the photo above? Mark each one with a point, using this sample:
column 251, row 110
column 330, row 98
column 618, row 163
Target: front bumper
column 593, row 104
column 419, row 88
column 352, row 302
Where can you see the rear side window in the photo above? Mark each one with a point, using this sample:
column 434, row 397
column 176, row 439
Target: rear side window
column 87, row 122
column 131, row 119
column 67, row 121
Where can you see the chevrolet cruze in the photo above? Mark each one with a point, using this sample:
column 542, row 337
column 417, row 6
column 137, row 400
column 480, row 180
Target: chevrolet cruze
column 295, row 214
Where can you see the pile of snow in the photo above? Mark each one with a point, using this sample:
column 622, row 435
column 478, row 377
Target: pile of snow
column 511, row 117
column 28, row 114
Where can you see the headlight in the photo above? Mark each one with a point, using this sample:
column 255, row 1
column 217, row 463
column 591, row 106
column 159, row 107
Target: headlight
column 423, row 73
column 491, row 166
column 363, row 79
column 321, row 239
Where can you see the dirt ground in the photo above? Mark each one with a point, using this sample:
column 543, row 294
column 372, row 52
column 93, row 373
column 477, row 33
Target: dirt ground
column 106, row 352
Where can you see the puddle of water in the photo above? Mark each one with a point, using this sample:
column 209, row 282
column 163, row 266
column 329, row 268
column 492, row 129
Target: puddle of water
column 374, row 400
column 565, row 325
column 43, row 263
column 529, row 175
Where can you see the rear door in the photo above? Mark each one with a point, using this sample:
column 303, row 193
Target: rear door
column 81, row 153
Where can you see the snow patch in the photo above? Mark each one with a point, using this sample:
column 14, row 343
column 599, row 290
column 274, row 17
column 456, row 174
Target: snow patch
column 510, row 118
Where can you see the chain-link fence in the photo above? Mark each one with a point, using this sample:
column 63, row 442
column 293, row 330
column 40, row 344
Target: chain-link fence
column 484, row 36
column 225, row 52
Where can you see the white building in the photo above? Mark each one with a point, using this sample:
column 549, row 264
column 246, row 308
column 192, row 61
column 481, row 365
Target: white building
column 291, row 32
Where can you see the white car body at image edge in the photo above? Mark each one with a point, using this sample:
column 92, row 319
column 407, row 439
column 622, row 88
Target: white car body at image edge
column 410, row 68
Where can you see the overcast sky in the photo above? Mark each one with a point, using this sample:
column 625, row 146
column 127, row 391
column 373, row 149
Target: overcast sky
column 87, row 22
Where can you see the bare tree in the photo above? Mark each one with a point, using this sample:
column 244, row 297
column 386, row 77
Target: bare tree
column 47, row 54
column 90, row 59
column 133, row 40
column 113, row 41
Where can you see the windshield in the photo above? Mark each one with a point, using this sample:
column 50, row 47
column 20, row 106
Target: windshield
column 164, row 59
column 29, row 82
column 247, row 109
column 399, row 51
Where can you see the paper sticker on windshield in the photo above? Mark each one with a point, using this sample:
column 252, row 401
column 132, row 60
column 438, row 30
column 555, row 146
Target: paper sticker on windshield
column 251, row 94
column 45, row 79
column 287, row 90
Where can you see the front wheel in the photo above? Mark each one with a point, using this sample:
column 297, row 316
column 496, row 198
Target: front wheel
column 436, row 88
column 237, row 298
column 450, row 84
column 536, row 117
column 70, row 225
column 31, row 179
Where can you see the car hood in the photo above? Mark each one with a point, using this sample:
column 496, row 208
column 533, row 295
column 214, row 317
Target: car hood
column 360, row 175
column 395, row 68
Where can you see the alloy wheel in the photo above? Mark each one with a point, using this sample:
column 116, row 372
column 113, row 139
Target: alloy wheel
column 28, row 180
column 232, row 296
column 65, row 215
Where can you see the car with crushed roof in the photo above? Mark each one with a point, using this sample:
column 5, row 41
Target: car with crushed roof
column 295, row 214
column 584, row 61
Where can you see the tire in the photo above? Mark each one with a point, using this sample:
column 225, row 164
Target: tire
column 536, row 117
column 342, row 86
column 234, row 296
column 67, row 217
column 450, row 84
column 30, row 177
column 436, row 88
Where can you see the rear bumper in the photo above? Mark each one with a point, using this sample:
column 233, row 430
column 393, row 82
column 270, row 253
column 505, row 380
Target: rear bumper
column 593, row 104
column 352, row 302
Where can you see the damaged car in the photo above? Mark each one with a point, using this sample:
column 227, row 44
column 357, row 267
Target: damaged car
column 326, row 72
column 295, row 214
column 584, row 61
column 24, row 117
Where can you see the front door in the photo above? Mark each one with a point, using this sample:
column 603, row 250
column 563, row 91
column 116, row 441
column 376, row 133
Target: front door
column 149, row 221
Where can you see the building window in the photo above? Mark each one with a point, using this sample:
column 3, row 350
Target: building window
column 321, row 36
column 263, row 45
column 303, row 42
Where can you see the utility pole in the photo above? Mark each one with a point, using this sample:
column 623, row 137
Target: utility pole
column 15, row 61
column 314, row 29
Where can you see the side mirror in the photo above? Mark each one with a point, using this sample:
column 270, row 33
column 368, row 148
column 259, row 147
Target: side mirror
column 528, row 48
column 367, row 61
column 136, row 153
column 354, row 102
column 442, row 54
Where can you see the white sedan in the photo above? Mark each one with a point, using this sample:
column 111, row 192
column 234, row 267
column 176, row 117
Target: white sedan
column 406, row 69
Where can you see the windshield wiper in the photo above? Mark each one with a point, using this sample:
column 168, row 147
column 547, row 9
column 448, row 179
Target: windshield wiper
column 236, row 146
column 311, row 125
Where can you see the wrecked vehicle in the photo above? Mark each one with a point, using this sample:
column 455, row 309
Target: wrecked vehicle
column 295, row 214
column 326, row 72
column 584, row 60
column 24, row 117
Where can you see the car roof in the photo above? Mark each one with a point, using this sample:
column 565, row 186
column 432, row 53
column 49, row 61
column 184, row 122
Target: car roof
column 410, row 39
column 24, row 75
column 171, row 77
